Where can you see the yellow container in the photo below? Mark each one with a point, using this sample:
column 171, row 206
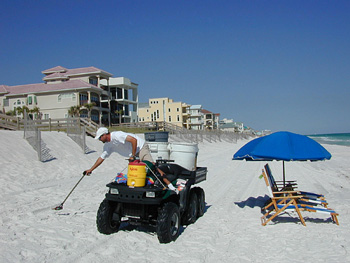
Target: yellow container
column 136, row 174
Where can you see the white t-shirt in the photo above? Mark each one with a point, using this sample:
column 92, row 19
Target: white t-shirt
column 119, row 144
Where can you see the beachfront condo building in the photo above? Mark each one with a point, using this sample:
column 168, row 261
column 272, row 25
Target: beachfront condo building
column 164, row 110
column 230, row 125
column 181, row 114
column 122, row 100
column 195, row 121
column 92, row 91
column 210, row 119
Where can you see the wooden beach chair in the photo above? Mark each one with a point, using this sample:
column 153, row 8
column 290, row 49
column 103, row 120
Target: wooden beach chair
column 282, row 201
column 278, row 186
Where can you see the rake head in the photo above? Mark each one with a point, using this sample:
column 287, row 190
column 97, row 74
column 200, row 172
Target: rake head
column 59, row 207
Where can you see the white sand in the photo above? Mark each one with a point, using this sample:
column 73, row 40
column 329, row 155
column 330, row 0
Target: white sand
column 229, row 231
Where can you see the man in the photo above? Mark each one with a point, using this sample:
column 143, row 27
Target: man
column 126, row 144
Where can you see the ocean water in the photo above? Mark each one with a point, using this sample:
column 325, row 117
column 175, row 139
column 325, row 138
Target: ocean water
column 333, row 138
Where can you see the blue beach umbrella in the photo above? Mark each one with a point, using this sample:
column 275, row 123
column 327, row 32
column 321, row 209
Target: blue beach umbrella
column 282, row 146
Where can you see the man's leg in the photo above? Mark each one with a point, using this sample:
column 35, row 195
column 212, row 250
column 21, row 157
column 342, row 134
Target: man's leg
column 145, row 154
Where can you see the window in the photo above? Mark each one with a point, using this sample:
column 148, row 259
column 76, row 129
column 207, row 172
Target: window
column 178, row 117
column 126, row 95
column 177, row 109
column 93, row 81
column 46, row 116
column 59, row 98
column 94, row 98
column 18, row 102
column 83, row 98
column 119, row 93
column 30, row 100
column 169, row 109
column 169, row 118
column 6, row 102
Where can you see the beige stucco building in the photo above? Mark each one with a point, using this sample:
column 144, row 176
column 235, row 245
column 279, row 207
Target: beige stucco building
column 164, row 110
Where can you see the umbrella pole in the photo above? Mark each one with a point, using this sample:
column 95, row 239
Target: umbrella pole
column 284, row 176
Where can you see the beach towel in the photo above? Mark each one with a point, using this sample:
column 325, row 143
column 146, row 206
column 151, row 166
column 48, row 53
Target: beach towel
column 122, row 178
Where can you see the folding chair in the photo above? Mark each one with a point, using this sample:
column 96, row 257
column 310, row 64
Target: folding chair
column 278, row 186
column 290, row 200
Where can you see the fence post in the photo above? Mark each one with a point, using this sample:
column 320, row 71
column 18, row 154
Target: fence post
column 49, row 124
column 24, row 128
column 84, row 139
column 38, row 143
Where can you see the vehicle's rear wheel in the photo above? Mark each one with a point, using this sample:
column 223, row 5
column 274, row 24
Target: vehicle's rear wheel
column 107, row 220
column 190, row 215
column 201, row 201
column 168, row 223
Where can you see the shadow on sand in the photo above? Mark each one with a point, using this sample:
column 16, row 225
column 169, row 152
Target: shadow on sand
column 254, row 202
column 151, row 230
column 285, row 217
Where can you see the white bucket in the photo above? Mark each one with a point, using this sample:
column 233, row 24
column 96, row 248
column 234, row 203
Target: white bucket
column 184, row 154
column 159, row 150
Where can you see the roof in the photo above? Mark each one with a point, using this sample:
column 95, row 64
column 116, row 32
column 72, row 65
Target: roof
column 56, row 75
column 61, row 72
column 3, row 89
column 193, row 107
column 227, row 125
column 206, row 111
column 42, row 87
column 54, row 70
column 143, row 105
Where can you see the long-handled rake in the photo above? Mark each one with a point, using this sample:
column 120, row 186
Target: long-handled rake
column 60, row 207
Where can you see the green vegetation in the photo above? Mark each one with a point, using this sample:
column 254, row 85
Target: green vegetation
column 130, row 130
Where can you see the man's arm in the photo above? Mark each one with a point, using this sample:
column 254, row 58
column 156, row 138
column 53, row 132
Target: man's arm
column 133, row 142
column 97, row 164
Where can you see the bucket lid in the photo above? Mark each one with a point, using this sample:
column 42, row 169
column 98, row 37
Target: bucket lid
column 137, row 162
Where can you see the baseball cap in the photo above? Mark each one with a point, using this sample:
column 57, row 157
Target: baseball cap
column 100, row 132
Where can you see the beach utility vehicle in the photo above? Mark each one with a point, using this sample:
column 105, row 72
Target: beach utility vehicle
column 153, row 204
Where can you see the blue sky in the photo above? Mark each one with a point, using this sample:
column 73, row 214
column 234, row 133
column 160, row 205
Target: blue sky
column 277, row 65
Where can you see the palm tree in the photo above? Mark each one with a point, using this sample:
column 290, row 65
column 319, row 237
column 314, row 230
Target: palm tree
column 89, row 107
column 74, row 111
column 119, row 113
column 36, row 110
column 11, row 112
column 22, row 110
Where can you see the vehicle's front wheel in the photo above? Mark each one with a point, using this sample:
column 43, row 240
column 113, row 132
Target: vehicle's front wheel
column 107, row 220
column 168, row 223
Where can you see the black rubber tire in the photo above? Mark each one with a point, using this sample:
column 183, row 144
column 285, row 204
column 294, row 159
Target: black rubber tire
column 201, row 201
column 190, row 215
column 104, row 222
column 168, row 223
